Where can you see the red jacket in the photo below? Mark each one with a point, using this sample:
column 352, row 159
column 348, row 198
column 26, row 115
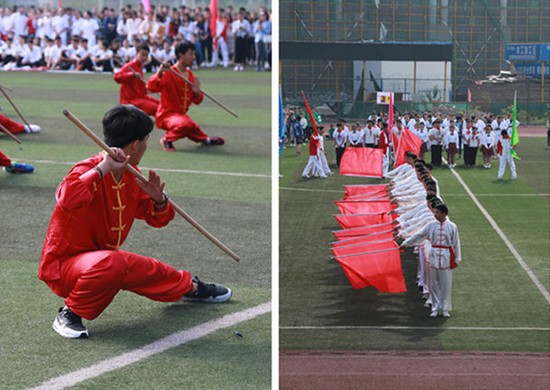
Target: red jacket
column 92, row 214
column 130, row 87
column 176, row 95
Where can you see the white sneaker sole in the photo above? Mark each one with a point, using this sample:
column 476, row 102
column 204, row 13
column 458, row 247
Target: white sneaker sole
column 219, row 299
column 69, row 333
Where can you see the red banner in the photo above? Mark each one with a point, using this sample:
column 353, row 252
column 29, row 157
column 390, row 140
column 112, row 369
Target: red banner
column 365, row 207
column 350, row 220
column 365, row 162
column 380, row 269
column 409, row 142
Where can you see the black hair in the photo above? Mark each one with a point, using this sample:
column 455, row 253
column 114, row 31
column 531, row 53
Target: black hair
column 443, row 208
column 143, row 46
column 504, row 132
column 183, row 47
column 124, row 124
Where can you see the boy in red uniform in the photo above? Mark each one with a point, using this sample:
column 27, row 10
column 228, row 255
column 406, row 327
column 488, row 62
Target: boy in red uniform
column 176, row 97
column 96, row 204
column 132, row 83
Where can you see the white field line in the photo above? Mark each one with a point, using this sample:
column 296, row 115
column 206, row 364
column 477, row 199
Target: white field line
column 164, row 344
column 435, row 328
column 239, row 174
column 512, row 249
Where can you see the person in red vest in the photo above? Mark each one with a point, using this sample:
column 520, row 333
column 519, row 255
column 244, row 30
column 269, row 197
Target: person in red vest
column 176, row 97
column 132, row 83
column 314, row 167
column 96, row 204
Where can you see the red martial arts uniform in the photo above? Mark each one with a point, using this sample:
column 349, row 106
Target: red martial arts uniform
column 12, row 126
column 132, row 89
column 176, row 96
column 4, row 160
column 81, row 258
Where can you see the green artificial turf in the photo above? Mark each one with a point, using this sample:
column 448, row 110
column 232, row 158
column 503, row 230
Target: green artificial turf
column 226, row 189
column 320, row 310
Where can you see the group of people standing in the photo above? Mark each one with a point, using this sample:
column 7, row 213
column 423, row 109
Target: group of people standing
column 459, row 137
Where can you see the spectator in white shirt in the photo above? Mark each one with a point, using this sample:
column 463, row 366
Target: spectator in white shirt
column 32, row 54
column 89, row 28
column 52, row 53
column 60, row 24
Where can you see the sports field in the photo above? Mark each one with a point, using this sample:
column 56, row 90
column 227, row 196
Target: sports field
column 497, row 304
column 226, row 189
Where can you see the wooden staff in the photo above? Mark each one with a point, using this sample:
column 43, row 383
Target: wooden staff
column 190, row 83
column 14, row 106
column 144, row 179
column 9, row 134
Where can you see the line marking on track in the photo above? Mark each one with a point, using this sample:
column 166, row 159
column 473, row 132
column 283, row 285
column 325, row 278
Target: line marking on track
column 395, row 327
column 174, row 340
column 239, row 174
column 512, row 249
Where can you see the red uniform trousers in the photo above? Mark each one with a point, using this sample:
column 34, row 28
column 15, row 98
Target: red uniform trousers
column 180, row 126
column 90, row 281
column 4, row 160
column 12, row 126
column 147, row 104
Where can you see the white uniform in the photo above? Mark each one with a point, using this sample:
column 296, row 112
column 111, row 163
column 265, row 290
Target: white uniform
column 323, row 157
column 314, row 167
column 506, row 158
column 355, row 137
column 444, row 239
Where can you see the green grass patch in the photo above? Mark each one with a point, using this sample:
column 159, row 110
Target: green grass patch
column 226, row 189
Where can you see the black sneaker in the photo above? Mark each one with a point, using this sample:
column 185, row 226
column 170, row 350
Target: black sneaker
column 212, row 293
column 69, row 325
column 167, row 146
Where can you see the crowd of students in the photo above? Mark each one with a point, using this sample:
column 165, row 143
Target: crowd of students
column 457, row 135
column 102, row 40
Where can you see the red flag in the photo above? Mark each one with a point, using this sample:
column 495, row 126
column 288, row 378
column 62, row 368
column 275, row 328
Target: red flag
column 378, row 236
column 408, row 142
column 348, row 221
column 380, row 269
column 374, row 189
column 362, row 230
column 213, row 21
column 363, row 247
column 365, row 162
column 390, row 115
column 351, row 207
column 313, row 124
column 394, row 141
